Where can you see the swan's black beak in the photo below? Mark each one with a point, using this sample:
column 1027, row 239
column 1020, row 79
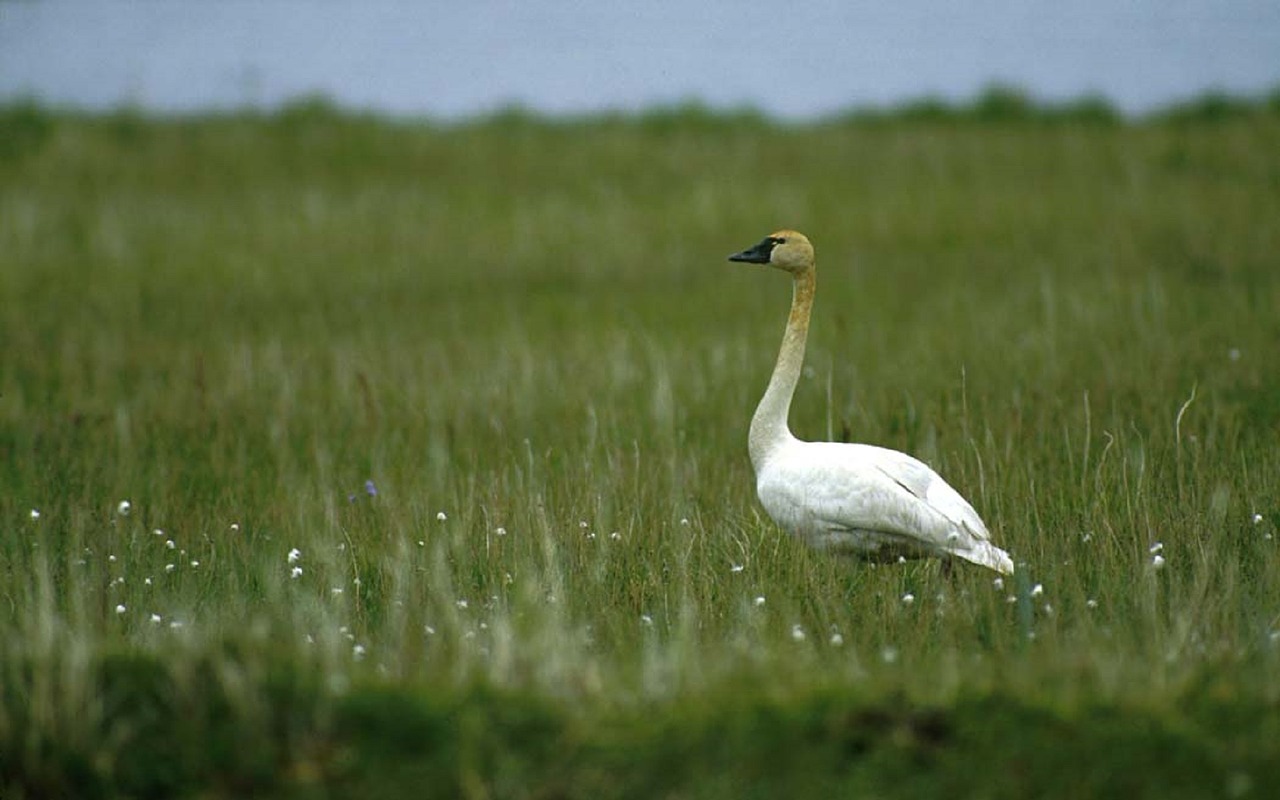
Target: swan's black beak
column 758, row 254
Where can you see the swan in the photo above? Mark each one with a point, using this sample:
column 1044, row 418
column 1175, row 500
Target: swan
column 854, row 499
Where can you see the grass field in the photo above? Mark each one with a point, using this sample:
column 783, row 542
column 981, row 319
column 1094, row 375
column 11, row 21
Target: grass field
column 342, row 457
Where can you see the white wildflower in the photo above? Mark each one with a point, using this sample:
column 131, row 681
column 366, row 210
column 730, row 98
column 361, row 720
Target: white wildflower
column 797, row 633
column 294, row 555
column 1157, row 562
column 908, row 598
column 120, row 609
column 836, row 640
column 759, row 601
column 441, row 516
column 1037, row 590
column 1155, row 548
column 155, row 619
column 124, row 508
column 35, row 513
column 998, row 583
column 295, row 573
column 736, row 568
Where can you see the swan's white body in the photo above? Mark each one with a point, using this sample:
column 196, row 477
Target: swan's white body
column 849, row 498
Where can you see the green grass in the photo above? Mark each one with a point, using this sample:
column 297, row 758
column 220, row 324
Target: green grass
column 525, row 334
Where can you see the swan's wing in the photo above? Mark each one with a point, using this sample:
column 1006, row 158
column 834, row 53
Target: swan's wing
column 825, row 492
column 928, row 486
column 816, row 489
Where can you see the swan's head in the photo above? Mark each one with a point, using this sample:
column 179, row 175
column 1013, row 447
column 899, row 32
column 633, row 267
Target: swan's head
column 788, row 250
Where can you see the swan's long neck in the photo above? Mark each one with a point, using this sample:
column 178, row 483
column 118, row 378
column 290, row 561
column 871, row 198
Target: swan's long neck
column 769, row 425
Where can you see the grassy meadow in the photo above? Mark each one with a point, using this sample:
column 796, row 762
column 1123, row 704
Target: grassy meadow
column 346, row 457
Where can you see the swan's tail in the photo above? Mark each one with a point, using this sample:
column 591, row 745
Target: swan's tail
column 986, row 554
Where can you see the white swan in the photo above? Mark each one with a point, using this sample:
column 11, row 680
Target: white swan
column 850, row 498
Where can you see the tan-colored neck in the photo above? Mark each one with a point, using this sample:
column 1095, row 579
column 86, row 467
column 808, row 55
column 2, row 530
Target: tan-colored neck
column 769, row 424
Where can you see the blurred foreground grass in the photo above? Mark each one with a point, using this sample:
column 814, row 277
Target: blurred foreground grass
column 433, row 445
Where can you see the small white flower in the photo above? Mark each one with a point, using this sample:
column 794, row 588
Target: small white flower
column 501, row 531
column 146, row 581
column 836, row 640
column 174, row 625
column 194, row 563
column 357, row 651
column 1257, row 518
column 1091, row 603
column 120, row 609
column 441, row 516
column 998, row 583
column 294, row 555
column 902, row 559
column 35, row 513
column 759, row 601
column 1086, row 537
column 111, row 558
column 169, row 567
column 908, row 598
column 1037, row 590
column 1048, row 610
column 235, row 526
column 461, row 604
column 1157, row 562
column 157, row 532
column 124, row 508
column 684, row 521
column 582, row 523
column 889, row 654
column 1155, row 548
column 295, row 573
column 155, row 619
column 646, row 620
column 615, row 536
column 428, row 630
column 1011, row 599
column 736, row 568
column 797, row 633
column 169, row 543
